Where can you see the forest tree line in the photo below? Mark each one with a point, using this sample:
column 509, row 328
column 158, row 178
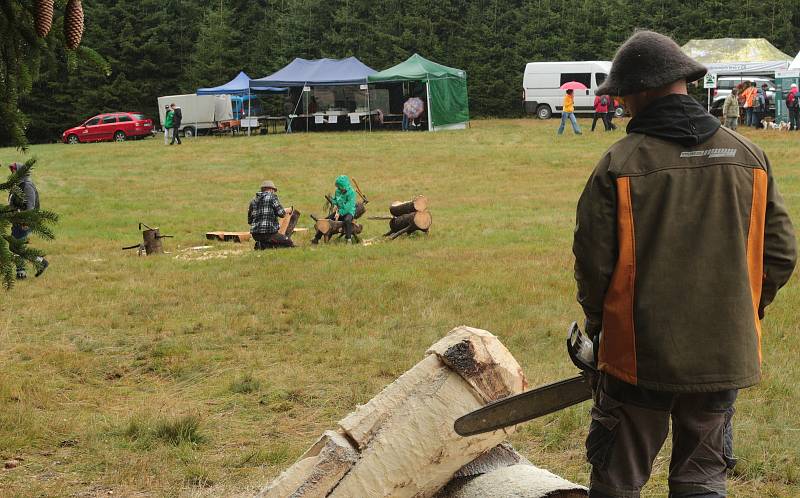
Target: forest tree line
column 166, row 47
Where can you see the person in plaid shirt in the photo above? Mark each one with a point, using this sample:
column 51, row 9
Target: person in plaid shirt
column 263, row 214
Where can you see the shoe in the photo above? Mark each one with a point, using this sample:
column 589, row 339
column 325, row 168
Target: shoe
column 43, row 266
column 348, row 241
column 315, row 241
column 21, row 275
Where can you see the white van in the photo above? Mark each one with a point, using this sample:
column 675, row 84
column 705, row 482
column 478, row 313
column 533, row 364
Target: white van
column 198, row 112
column 542, row 80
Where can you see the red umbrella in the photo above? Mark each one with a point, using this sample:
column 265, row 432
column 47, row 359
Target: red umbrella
column 573, row 85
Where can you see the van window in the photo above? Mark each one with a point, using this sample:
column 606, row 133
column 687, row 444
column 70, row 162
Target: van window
column 599, row 78
column 585, row 78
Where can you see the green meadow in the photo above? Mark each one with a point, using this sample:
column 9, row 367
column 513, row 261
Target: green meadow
column 206, row 372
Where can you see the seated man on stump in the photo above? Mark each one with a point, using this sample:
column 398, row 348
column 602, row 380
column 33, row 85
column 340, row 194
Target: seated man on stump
column 263, row 214
column 344, row 208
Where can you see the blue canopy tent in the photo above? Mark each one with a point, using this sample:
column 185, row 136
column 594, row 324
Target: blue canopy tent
column 238, row 86
column 327, row 72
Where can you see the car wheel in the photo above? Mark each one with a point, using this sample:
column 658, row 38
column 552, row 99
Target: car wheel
column 188, row 132
column 73, row 139
column 544, row 112
column 619, row 112
column 119, row 136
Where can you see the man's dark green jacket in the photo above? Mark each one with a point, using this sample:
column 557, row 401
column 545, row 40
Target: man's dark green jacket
column 681, row 241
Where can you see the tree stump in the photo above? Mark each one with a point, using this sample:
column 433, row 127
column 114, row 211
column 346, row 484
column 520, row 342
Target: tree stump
column 409, row 223
column 418, row 203
column 152, row 241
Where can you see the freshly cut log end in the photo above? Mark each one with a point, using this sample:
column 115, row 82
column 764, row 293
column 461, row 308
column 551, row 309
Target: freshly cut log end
column 409, row 223
column 289, row 222
column 44, row 17
column 418, row 203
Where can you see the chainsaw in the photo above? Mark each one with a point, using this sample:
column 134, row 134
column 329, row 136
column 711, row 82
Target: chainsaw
column 543, row 400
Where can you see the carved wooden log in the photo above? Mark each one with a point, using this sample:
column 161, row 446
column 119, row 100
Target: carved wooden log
column 418, row 203
column 289, row 222
column 152, row 241
column 329, row 228
column 404, row 437
column 361, row 208
column 409, row 223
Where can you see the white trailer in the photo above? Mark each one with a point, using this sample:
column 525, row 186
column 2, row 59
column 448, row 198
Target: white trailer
column 541, row 84
column 199, row 112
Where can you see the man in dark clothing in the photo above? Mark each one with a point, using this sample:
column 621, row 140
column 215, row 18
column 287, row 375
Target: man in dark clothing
column 612, row 110
column 177, row 117
column 681, row 242
column 263, row 214
column 20, row 232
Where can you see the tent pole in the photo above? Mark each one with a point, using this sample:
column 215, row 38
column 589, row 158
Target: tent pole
column 428, row 91
column 369, row 109
column 248, row 112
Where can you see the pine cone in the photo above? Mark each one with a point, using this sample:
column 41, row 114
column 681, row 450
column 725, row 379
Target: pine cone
column 44, row 17
column 73, row 24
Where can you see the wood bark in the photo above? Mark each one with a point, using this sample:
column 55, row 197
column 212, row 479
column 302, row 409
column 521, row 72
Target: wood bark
column 418, row 203
column 409, row 223
column 329, row 228
column 152, row 241
column 515, row 481
column 404, row 437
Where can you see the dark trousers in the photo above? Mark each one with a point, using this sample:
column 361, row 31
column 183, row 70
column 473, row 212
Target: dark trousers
column 610, row 120
column 20, row 234
column 758, row 116
column 175, row 136
column 271, row 241
column 794, row 119
column 603, row 116
column 348, row 226
column 629, row 426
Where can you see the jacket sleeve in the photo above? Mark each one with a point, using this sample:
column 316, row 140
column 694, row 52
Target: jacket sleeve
column 30, row 196
column 276, row 205
column 250, row 210
column 595, row 244
column 780, row 245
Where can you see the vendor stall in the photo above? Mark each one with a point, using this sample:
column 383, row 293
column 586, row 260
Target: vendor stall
column 445, row 90
column 738, row 56
column 245, row 110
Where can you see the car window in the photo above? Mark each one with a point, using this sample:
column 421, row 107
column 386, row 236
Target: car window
column 585, row 78
column 92, row 122
column 124, row 118
column 109, row 119
column 139, row 117
column 599, row 78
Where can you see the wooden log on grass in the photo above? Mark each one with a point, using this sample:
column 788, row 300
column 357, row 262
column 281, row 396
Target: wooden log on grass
column 409, row 223
column 418, row 203
column 329, row 227
column 289, row 222
column 404, row 438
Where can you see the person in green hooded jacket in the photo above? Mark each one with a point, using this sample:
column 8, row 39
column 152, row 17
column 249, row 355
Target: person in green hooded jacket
column 344, row 208
column 168, row 115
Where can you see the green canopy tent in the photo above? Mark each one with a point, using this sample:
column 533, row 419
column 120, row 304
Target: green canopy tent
column 448, row 104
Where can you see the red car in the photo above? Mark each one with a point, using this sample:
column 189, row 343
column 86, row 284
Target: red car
column 117, row 126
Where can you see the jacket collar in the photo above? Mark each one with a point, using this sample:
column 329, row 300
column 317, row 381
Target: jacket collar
column 677, row 118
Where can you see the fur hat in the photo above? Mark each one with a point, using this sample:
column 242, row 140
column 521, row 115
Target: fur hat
column 649, row 60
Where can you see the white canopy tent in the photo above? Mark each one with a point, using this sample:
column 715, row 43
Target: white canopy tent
column 738, row 56
column 795, row 65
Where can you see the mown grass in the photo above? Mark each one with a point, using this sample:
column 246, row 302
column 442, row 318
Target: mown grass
column 208, row 372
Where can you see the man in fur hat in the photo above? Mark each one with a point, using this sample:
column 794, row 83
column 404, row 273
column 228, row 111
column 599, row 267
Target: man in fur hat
column 682, row 240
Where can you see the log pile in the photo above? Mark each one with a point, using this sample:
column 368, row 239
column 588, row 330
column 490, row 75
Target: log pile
column 409, row 217
column 402, row 443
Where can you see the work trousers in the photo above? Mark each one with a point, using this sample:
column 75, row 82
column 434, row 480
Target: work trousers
column 602, row 116
column 610, row 120
column 794, row 119
column 748, row 116
column 271, row 241
column 347, row 220
column 732, row 123
column 571, row 116
column 175, row 136
column 629, row 426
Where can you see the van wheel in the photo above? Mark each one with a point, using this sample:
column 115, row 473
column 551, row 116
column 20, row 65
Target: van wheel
column 544, row 112
column 188, row 132
column 119, row 136
column 619, row 112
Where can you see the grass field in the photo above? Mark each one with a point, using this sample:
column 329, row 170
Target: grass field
column 209, row 372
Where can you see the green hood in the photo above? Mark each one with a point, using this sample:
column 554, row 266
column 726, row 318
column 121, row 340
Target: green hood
column 345, row 197
column 343, row 182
